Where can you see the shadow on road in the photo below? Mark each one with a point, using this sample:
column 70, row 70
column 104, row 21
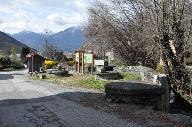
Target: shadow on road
column 6, row 76
column 135, row 113
column 18, row 74
column 34, row 111
column 71, row 96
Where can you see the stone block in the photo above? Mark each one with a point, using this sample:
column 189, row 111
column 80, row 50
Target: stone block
column 136, row 92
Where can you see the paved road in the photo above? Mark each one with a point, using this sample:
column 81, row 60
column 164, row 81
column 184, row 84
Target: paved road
column 27, row 103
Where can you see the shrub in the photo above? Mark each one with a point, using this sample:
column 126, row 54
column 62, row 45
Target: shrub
column 5, row 61
column 50, row 64
column 17, row 65
column 118, row 63
column 160, row 69
column 70, row 62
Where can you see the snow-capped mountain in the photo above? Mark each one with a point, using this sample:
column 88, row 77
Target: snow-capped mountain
column 68, row 40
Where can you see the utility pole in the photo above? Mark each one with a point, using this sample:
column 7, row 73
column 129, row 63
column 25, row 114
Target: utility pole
column 92, row 61
column 46, row 37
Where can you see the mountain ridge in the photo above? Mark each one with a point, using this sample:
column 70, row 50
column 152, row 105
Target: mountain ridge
column 68, row 40
column 7, row 42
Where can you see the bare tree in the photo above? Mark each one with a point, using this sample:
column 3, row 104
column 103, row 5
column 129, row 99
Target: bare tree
column 115, row 26
column 145, row 30
column 174, row 26
column 53, row 52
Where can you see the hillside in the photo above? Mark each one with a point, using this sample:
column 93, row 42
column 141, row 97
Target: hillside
column 7, row 43
column 67, row 40
column 34, row 40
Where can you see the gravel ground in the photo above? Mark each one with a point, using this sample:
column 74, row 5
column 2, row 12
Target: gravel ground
column 135, row 113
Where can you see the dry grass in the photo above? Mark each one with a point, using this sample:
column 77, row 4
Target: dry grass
column 82, row 81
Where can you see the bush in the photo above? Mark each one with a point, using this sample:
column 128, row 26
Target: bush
column 17, row 65
column 50, row 64
column 7, row 64
column 118, row 63
column 70, row 62
column 160, row 69
column 5, row 61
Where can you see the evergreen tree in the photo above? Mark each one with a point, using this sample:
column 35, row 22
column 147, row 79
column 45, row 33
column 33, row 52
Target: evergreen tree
column 24, row 52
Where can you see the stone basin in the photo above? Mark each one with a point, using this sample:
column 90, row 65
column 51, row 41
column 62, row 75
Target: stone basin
column 134, row 88
column 136, row 92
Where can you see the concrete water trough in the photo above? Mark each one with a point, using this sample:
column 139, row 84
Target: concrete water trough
column 138, row 93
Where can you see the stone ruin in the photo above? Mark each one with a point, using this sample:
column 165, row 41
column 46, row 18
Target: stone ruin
column 147, row 74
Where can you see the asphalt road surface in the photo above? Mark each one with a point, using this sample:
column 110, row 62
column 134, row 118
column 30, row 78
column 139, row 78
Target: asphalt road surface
column 31, row 103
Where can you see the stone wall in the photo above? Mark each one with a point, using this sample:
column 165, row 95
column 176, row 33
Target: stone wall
column 146, row 73
column 189, row 68
column 108, row 76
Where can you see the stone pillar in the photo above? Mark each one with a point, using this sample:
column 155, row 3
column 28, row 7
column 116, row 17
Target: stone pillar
column 165, row 97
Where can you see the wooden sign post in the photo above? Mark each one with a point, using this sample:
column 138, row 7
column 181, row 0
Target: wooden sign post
column 31, row 55
column 78, row 62
column 87, row 58
column 32, row 60
column 83, row 52
column 92, row 65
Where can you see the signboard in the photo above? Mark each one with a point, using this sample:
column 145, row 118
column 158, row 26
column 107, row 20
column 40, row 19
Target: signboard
column 31, row 53
column 99, row 62
column 88, row 58
column 28, row 55
column 77, row 57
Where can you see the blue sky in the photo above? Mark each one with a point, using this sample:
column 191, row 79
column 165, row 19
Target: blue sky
column 42, row 15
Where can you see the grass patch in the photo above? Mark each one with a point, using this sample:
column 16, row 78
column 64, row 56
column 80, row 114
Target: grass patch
column 80, row 81
column 91, row 83
column 7, row 69
column 85, row 81
column 131, row 76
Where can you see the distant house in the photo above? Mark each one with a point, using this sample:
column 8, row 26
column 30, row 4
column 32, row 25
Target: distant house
column 69, row 55
column 35, row 62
